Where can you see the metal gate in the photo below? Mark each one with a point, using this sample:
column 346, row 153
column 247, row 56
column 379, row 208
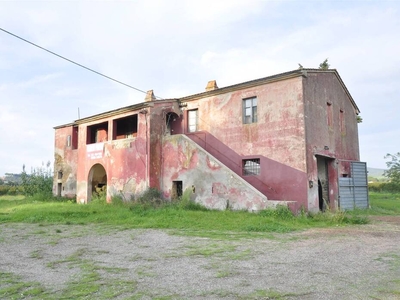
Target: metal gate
column 353, row 190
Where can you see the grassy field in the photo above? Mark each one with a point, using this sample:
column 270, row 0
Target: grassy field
column 224, row 227
column 191, row 219
column 384, row 204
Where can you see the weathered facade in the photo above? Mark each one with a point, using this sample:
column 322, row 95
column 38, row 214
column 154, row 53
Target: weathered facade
column 286, row 138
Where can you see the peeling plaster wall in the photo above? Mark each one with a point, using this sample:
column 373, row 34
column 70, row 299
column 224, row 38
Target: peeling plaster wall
column 279, row 133
column 157, row 119
column 215, row 185
column 328, row 140
column 124, row 160
column 291, row 129
column 65, row 161
column 276, row 180
column 127, row 162
column 277, row 138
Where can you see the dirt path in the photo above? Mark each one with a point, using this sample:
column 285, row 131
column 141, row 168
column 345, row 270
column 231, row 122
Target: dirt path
column 359, row 262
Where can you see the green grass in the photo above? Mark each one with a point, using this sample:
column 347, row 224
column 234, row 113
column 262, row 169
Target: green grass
column 97, row 282
column 12, row 287
column 382, row 204
column 192, row 221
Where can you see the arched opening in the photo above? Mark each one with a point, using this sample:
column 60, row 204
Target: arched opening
column 173, row 123
column 97, row 182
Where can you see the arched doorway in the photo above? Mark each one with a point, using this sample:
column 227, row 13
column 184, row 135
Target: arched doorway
column 97, row 181
column 173, row 123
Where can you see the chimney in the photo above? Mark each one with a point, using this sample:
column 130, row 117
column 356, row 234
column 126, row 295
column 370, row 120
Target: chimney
column 149, row 96
column 211, row 85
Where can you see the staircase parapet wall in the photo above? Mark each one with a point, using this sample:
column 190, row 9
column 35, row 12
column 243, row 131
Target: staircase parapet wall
column 276, row 180
column 214, row 185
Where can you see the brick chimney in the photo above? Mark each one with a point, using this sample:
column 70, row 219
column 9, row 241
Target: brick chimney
column 211, row 85
column 149, row 96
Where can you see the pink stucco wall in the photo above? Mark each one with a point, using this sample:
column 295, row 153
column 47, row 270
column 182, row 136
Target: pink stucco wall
column 291, row 129
column 277, row 138
column 65, row 161
column 333, row 141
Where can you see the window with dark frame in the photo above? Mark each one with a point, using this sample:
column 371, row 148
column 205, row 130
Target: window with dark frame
column 251, row 166
column 250, row 110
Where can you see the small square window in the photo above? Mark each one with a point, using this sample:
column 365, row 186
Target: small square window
column 250, row 110
column 251, row 166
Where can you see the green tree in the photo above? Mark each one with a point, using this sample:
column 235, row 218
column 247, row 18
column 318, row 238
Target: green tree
column 393, row 171
column 39, row 182
column 324, row 65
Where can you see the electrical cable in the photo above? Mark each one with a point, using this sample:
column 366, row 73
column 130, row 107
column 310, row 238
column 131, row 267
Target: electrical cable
column 71, row 61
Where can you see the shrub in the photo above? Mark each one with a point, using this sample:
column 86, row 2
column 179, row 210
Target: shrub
column 39, row 182
column 185, row 202
column 4, row 189
column 13, row 190
column 117, row 200
column 375, row 186
column 99, row 196
column 389, row 187
column 151, row 198
column 280, row 212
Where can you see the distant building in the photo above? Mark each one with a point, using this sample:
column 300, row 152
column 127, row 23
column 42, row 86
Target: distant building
column 289, row 139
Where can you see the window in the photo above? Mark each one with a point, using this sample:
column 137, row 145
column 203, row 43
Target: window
column 125, row 127
column 75, row 134
column 250, row 110
column 251, row 166
column 193, row 120
column 69, row 141
column 97, row 133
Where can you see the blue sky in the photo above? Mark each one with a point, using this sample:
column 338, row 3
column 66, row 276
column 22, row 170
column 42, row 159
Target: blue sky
column 175, row 48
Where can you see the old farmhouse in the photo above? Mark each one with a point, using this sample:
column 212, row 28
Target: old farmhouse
column 289, row 139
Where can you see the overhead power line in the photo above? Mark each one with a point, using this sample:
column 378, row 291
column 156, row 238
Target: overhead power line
column 71, row 61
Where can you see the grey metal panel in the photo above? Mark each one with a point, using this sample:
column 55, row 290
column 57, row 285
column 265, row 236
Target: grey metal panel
column 353, row 191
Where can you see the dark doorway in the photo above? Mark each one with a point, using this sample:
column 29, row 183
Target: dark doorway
column 323, row 182
column 172, row 123
column 176, row 189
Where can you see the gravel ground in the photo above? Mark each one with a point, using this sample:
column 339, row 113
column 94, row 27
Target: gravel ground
column 357, row 262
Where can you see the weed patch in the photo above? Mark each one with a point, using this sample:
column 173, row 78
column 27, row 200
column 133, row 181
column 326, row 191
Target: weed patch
column 12, row 287
column 151, row 211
